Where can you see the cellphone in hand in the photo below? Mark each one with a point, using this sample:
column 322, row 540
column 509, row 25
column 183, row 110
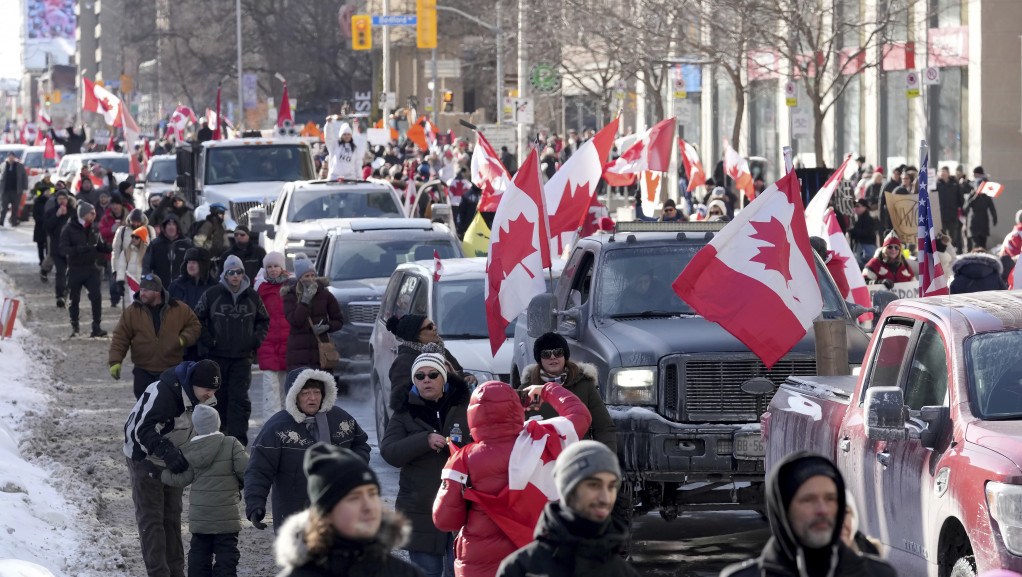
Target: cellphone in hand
column 527, row 401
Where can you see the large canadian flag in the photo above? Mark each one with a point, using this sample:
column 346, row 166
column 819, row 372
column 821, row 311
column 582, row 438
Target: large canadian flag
column 568, row 192
column 101, row 100
column 179, row 120
column 131, row 138
column 518, row 251
column 489, row 174
column 822, row 222
column 757, row 277
column 737, row 168
column 693, row 168
column 650, row 152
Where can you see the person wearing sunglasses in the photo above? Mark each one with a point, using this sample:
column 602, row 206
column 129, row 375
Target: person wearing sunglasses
column 554, row 365
column 415, row 332
column 669, row 213
column 716, row 210
column 428, row 417
column 234, row 325
column 310, row 415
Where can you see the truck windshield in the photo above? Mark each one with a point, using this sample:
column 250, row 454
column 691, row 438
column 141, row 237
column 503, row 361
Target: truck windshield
column 994, row 365
column 115, row 164
column 35, row 159
column 355, row 260
column 637, row 283
column 348, row 203
column 258, row 163
column 162, row 171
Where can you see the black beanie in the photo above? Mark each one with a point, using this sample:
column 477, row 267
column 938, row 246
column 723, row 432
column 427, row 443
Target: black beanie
column 198, row 254
column 206, row 374
column 797, row 472
column 332, row 473
column 549, row 341
column 407, row 327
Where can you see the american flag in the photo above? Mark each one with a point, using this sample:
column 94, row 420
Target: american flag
column 931, row 275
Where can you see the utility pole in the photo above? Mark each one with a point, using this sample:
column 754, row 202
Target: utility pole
column 241, row 109
column 523, row 81
column 500, row 66
column 385, row 105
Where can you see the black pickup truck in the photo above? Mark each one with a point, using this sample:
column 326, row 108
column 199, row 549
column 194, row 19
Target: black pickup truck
column 686, row 396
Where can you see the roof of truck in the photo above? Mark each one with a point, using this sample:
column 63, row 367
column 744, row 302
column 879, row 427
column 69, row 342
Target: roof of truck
column 984, row 311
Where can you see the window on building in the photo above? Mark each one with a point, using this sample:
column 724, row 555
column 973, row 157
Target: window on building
column 763, row 134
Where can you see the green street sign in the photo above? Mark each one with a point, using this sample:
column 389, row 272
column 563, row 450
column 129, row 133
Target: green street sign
column 544, row 78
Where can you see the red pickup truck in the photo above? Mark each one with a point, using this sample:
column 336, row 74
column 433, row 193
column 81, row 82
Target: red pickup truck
column 928, row 436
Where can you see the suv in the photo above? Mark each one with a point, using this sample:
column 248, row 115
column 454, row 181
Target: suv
column 307, row 209
column 158, row 179
column 116, row 162
column 357, row 257
column 36, row 167
column 457, row 305
column 686, row 396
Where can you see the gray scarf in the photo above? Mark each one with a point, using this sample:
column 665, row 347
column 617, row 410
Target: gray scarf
column 318, row 427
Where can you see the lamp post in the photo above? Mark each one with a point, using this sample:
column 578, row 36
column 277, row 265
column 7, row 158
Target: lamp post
column 241, row 109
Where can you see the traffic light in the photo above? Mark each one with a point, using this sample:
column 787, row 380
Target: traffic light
column 46, row 100
column 425, row 23
column 361, row 32
column 448, row 101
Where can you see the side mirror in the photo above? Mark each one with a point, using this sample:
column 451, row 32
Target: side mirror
column 886, row 414
column 857, row 310
column 541, row 315
column 271, row 233
column 574, row 298
column 881, row 299
column 571, row 322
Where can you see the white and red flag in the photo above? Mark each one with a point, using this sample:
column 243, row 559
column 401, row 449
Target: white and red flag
column 817, row 207
column 179, row 120
column 131, row 138
column 932, row 280
column 44, row 116
column 101, row 100
column 757, row 277
column 693, row 168
column 489, row 174
column 737, row 168
column 285, row 108
column 568, row 192
column 591, row 224
column 29, row 134
column 519, row 251
column 438, row 266
column 50, row 151
column 410, row 192
column 650, row 152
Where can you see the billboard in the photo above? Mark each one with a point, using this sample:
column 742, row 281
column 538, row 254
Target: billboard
column 49, row 29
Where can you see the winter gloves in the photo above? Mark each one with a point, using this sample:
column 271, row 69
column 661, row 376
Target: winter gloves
column 176, row 461
column 320, row 328
column 181, row 341
column 256, row 517
column 310, row 291
column 115, row 371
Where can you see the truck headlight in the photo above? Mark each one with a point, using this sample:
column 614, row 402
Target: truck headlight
column 633, row 386
column 1005, row 504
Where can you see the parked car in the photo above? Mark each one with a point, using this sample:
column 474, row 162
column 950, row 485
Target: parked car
column 358, row 257
column 36, row 166
column 117, row 162
column 673, row 381
column 928, row 437
column 307, row 209
column 457, row 305
column 158, row 178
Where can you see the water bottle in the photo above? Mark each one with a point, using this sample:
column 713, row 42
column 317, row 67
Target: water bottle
column 456, row 434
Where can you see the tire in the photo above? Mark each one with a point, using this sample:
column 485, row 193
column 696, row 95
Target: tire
column 379, row 408
column 965, row 566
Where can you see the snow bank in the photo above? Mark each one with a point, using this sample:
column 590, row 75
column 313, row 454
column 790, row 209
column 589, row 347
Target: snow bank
column 37, row 524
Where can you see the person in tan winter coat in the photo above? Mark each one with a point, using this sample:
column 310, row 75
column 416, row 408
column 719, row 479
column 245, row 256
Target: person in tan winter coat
column 578, row 378
column 157, row 329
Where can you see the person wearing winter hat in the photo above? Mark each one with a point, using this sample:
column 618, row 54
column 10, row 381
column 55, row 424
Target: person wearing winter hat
column 195, row 276
column 158, row 425
column 156, row 328
column 716, row 208
column 889, row 265
column 427, row 417
column 345, row 531
column 312, row 313
column 216, row 473
column 57, row 215
column 272, row 354
column 805, row 495
column 212, row 234
column 310, row 414
column 166, row 252
column 577, row 535
column 346, row 149
column 234, row 324
column 416, row 331
column 851, row 536
column 250, row 253
column 85, row 251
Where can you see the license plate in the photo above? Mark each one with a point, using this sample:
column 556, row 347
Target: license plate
column 749, row 446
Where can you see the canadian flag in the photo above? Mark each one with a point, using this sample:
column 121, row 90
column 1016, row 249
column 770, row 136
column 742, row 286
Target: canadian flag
column 44, row 116
column 211, row 120
column 568, row 192
column 101, row 100
column 410, row 196
column 993, row 189
column 285, row 108
column 423, row 134
column 693, row 168
column 519, row 251
column 179, row 120
column 489, row 174
column 757, row 277
column 591, row 224
column 131, row 138
column 737, row 168
column 50, row 151
column 650, row 152
column 29, row 133
column 438, row 266
column 649, row 188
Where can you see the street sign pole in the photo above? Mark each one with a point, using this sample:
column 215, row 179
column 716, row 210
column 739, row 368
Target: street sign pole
column 436, row 91
column 500, row 67
column 384, row 109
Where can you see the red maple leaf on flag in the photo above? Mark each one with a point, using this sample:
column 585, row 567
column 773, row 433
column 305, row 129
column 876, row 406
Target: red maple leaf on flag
column 569, row 209
column 776, row 256
column 515, row 244
column 106, row 104
column 837, row 258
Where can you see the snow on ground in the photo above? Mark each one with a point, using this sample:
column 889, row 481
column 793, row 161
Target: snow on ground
column 37, row 524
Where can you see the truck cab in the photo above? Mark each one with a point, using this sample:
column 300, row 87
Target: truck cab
column 242, row 173
column 686, row 396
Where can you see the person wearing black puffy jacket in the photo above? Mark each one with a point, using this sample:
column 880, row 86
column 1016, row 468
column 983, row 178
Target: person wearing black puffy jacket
column 166, row 253
column 977, row 271
column 81, row 244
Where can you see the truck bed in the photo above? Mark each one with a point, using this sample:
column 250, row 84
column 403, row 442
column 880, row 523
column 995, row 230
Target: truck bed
column 805, row 415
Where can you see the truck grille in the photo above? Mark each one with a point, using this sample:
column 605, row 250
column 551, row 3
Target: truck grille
column 700, row 389
column 239, row 211
column 363, row 313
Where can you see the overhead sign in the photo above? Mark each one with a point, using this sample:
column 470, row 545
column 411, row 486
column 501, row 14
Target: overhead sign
column 912, row 84
column 790, row 93
column 395, row 20
column 931, row 76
